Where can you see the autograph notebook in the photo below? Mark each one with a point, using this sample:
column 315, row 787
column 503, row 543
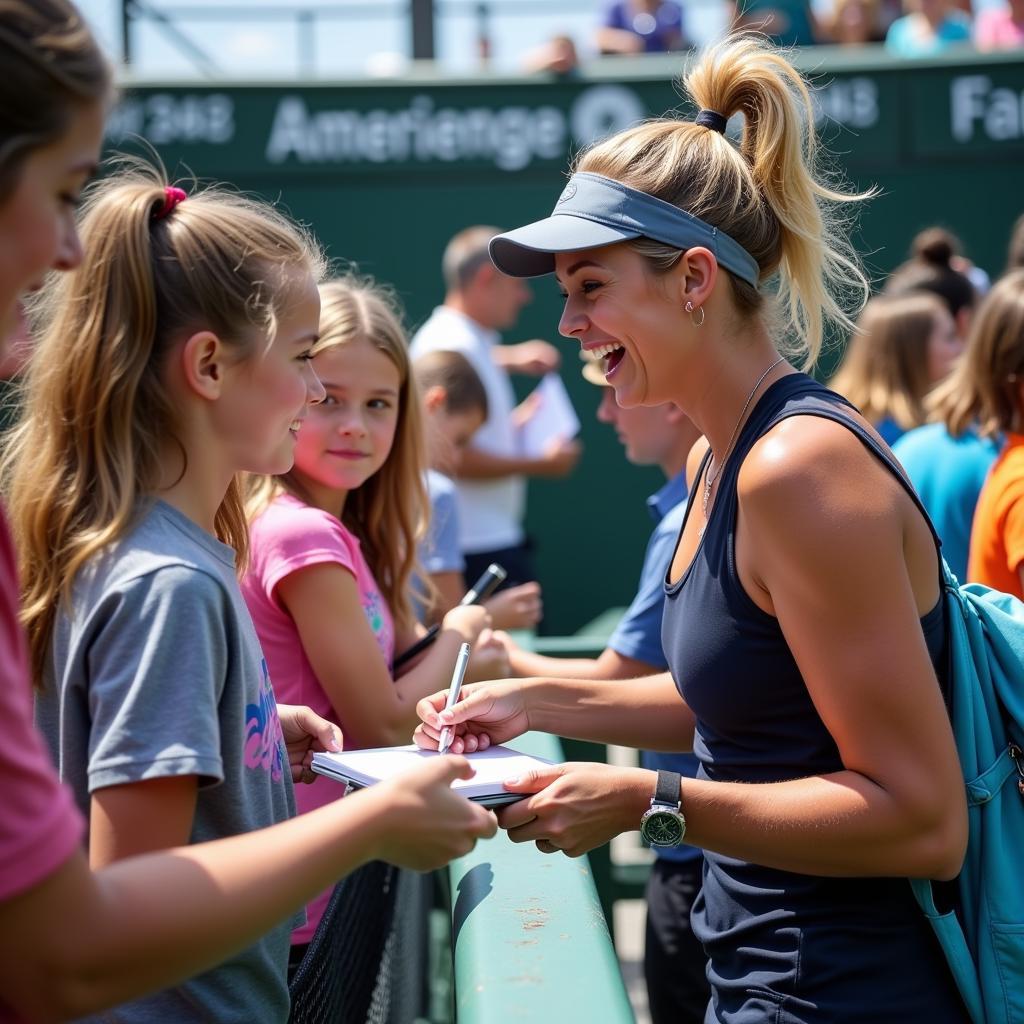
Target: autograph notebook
column 361, row 768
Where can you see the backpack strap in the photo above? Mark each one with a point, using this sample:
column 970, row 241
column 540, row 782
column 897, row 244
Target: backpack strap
column 834, row 407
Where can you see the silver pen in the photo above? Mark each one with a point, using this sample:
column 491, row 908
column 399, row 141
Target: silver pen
column 447, row 733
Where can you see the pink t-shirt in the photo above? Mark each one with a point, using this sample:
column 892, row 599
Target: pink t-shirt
column 39, row 824
column 288, row 536
column 995, row 29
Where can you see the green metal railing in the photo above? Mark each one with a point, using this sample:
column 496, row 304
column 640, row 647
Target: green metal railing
column 529, row 937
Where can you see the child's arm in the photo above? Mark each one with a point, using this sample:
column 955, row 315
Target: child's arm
column 558, row 460
column 152, row 815
column 519, row 607
column 156, row 814
column 81, row 941
column 323, row 600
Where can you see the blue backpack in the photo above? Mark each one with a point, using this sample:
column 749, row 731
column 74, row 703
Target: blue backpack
column 985, row 944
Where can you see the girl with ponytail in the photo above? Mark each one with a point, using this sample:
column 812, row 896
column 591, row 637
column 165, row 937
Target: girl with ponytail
column 174, row 355
column 803, row 625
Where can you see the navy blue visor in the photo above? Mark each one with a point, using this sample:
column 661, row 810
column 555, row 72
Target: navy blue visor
column 593, row 211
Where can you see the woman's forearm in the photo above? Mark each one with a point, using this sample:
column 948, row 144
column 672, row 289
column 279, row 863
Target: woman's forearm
column 645, row 713
column 842, row 824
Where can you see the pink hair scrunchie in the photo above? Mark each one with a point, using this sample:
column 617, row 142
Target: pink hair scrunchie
column 172, row 196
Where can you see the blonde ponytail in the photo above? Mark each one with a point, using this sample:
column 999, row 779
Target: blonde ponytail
column 767, row 193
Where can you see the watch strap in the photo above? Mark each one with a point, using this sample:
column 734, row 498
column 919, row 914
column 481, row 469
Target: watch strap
column 667, row 789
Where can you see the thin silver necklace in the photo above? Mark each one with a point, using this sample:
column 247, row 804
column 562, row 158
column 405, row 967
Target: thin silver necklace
column 709, row 477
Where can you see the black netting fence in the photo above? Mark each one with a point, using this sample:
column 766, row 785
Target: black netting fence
column 368, row 961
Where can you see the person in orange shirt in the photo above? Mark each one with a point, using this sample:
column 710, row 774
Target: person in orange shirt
column 992, row 376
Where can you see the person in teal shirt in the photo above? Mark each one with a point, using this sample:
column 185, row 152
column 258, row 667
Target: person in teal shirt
column 929, row 27
column 948, row 471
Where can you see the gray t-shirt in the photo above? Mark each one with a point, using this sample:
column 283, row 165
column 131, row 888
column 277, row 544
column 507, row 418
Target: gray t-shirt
column 157, row 672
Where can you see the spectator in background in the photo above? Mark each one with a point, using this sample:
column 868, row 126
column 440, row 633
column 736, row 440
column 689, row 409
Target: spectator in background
column 641, row 26
column 928, row 27
column 558, row 55
column 454, row 409
column 479, row 302
column 1000, row 28
column 1015, row 250
column 853, row 23
column 785, row 22
column 993, row 392
column 947, row 460
column 903, row 346
column 936, row 266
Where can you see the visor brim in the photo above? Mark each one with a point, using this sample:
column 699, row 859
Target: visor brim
column 530, row 251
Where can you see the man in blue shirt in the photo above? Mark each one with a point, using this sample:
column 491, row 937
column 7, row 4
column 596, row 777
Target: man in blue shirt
column 674, row 962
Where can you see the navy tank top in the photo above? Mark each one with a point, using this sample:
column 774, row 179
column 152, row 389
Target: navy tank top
column 783, row 947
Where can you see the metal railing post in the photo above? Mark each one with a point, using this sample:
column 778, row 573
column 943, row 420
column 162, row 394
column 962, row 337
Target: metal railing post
column 421, row 17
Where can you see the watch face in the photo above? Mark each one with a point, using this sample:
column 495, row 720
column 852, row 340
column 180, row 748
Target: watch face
column 663, row 828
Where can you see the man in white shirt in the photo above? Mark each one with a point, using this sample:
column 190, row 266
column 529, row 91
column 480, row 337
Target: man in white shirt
column 491, row 475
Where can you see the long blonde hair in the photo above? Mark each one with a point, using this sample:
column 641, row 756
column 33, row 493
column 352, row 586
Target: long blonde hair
column 884, row 371
column 97, row 413
column 768, row 193
column 982, row 390
column 390, row 511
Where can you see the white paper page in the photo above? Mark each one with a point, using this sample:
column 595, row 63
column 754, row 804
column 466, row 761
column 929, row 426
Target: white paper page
column 554, row 417
column 492, row 766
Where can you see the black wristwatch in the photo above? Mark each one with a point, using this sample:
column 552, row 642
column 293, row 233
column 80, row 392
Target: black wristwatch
column 663, row 823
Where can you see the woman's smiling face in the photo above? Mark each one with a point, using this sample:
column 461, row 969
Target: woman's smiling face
column 618, row 310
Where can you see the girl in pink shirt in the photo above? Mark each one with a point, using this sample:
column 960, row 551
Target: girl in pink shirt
column 333, row 545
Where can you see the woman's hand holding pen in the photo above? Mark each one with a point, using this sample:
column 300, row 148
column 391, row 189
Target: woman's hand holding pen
column 488, row 713
column 574, row 807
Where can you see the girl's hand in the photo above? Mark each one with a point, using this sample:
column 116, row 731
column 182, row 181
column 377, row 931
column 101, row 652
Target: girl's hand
column 425, row 823
column 304, row 732
column 489, row 659
column 488, row 713
column 516, row 607
column 576, row 807
column 467, row 620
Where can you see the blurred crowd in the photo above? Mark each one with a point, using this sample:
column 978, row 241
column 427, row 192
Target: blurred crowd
column 908, row 28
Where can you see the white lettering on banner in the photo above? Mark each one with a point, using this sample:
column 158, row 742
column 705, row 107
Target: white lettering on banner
column 852, row 102
column 164, row 118
column 973, row 102
column 512, row 137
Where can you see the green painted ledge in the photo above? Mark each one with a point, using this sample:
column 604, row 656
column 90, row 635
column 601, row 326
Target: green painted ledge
column 529, row 938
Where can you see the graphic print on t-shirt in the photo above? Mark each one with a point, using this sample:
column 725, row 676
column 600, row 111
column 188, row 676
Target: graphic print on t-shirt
column 264, row 741
column 373, row 607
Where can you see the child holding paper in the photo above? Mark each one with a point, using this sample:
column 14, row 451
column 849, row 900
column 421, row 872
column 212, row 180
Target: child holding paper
column 334, row 544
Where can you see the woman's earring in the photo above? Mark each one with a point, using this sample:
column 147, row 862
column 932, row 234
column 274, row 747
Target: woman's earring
column 689, row 309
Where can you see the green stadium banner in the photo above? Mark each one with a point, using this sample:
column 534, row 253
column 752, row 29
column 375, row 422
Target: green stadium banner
column 385, row 171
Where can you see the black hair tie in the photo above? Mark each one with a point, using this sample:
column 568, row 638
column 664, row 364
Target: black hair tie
column 713, row 120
